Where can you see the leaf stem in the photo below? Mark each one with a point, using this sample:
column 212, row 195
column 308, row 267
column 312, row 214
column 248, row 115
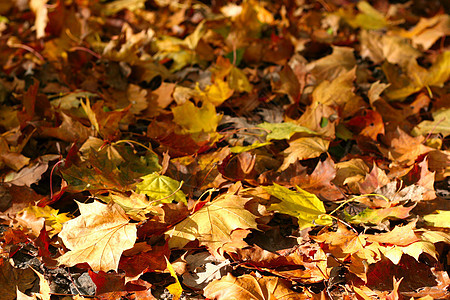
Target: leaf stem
column 356, row 197
column 133, row 142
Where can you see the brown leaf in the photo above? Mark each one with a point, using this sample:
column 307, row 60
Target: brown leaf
column 330, row 67
column 12, row 278
column 319, row 181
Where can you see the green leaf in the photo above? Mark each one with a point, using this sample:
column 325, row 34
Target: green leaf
column 376, row 216
column 283, row 131
column 306, row 207
column 106, row 169
column 162, row 188
column 440, row 219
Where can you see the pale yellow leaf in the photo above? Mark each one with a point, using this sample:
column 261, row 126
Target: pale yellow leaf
column 213, row 223
column 97, row 237
column 304, row 148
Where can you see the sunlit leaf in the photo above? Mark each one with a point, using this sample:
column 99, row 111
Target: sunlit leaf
column 304, row 206
column 213, row 223
column 440, row 219
column 161, row 189
column 97, row 237
column 250, row 287
column 282, row 131
column 53, row 218
column 175, row 288
column 196, row 120
column 441, row 124
column 304, row 148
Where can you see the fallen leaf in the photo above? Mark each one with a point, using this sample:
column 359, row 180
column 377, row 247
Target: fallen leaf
column 304, row 148
column 400, row 235
column 27, row 175
column 53, row 219
column 283, row 131
column 351, row 172
column 332, row 66
column 428, row 30
column 197, row 121
column 440, row 219
column 339, row 92
column 13, row 279
column 161, row 189
column 175, row 288
column 249, row 287
column 98, row 236
column 213, row 223
column 440, row 125
column 216, row 93
column 304, row 206
column 380, row 47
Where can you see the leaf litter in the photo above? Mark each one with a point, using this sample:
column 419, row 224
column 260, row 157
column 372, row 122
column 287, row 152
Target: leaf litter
column 244, row 149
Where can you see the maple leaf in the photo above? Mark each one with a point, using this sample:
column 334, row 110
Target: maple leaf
column 27, row 175
column 416, row 77
column 318, row 182
column 400, row 235
column 370, row 124
column 367, row 18
column 213, row 223
column 304, row 206
column 404, row 149
column 338, row 92
column 238, row 81
column 161, row 189
column 13, row 279
column 439, row 219
column 53, row 219
column 175, row 288
column 135, row 205
column 283, row 131
column 441, row 124
column 105, row 168
column 427, row 31
column 331, row 66
column 216, row 93
column 97, row 237
column 380, row 47
column 304, row 148
column 200, row 122
column 376, row 216
column 249, row 287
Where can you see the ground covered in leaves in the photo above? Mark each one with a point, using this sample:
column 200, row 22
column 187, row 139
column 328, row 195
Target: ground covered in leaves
column 224, row 149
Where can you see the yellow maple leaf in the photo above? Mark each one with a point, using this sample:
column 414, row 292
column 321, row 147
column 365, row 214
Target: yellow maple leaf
column 175, row 288
column 97, row 237
column 304, row 148
column 216, row 93
column 238, row 81
column 197, row 121
column 52, row 217
column 213, row 223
